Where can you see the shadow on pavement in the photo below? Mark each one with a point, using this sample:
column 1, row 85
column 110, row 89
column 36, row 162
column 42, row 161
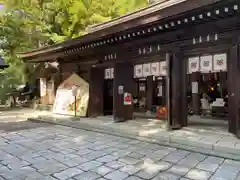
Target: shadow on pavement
column 21, row 125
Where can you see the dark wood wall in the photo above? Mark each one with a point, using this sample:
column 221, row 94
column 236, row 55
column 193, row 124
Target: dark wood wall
column 179, row 44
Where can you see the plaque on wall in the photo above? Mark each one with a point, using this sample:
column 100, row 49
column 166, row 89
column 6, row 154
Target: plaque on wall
column 194, row 87
column 160, row 91
column 155, row 69
column 146, row 70
column 112, row 73
column 107, row 74
column 138, row 71
column 220, row 62
column 193, row 64
column 120, row 89
column 163, row 68
column 206, row 64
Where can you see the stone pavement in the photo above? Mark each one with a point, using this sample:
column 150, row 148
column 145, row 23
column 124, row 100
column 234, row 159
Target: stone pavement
column 211, row 140
column 63, row 153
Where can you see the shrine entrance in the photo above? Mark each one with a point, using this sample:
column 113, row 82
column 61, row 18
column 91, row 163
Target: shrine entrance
column 108, row 92
column 207, row 88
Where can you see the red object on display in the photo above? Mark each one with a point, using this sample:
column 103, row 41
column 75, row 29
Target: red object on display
column 161, row 112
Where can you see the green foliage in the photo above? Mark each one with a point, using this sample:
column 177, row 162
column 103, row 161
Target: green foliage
column 30, row 24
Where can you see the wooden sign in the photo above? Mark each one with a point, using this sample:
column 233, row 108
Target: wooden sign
column 146, row 70
column 206, row 64
column 220, row 62
column 193, row 64
column 138, row 71
column 163, row 68
column 107, row 74
column 155, row 69
column 112, row 73
column 43, row 87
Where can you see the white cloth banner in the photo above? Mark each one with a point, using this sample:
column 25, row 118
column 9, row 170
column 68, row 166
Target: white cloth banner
column 138, row 71
column 163, row 68
column 193, row 64
column 107, row 74
column 206, row 64
column 146, row 70
column 220, row 62
column 155, row 69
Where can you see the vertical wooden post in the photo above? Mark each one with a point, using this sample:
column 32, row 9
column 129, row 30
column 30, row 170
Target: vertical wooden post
column 233, row 88
column 95, row 107
column 195, row 78
column 177, row 99
column 123, row 76
column 149, row 93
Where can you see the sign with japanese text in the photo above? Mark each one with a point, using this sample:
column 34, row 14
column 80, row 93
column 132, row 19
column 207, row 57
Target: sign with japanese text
column 163, row 68
column 138, row 71
column 107, row 73
column 43, row 87
column 146, row 70
column 155, row 69
column 112, row 73
column 193, row 64
column 220, row 62
column 206, row 64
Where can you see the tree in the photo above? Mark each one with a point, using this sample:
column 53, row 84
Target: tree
column 30, row 24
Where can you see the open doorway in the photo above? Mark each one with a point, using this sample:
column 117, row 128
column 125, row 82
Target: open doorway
column 108, row 92
column 207, row 91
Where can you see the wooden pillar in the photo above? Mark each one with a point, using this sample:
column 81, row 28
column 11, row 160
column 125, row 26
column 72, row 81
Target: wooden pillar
column 195, row 78
column 123, row 76
column 150, row 87
column 233, row 90
column 177, row 92
column 96, row 92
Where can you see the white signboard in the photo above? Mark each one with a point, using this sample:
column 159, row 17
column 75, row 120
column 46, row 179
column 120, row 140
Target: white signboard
column 193, row 64
column 155, row 69
column 64, row 98
column 120, row 89
column 107, row 74
column 138, row 71
column 206, row 64
column 43, row 87
column 163, row 68
column 146, row 70
column 160, row 91
column 194, row 87
column 220, row 62
column 112, row 73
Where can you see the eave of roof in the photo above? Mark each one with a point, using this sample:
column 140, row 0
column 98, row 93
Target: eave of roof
column 151, row 14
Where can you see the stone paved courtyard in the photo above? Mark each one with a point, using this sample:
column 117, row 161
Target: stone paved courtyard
column 57, row 152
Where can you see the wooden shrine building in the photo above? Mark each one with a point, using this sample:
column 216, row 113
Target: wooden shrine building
column 189, row 46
